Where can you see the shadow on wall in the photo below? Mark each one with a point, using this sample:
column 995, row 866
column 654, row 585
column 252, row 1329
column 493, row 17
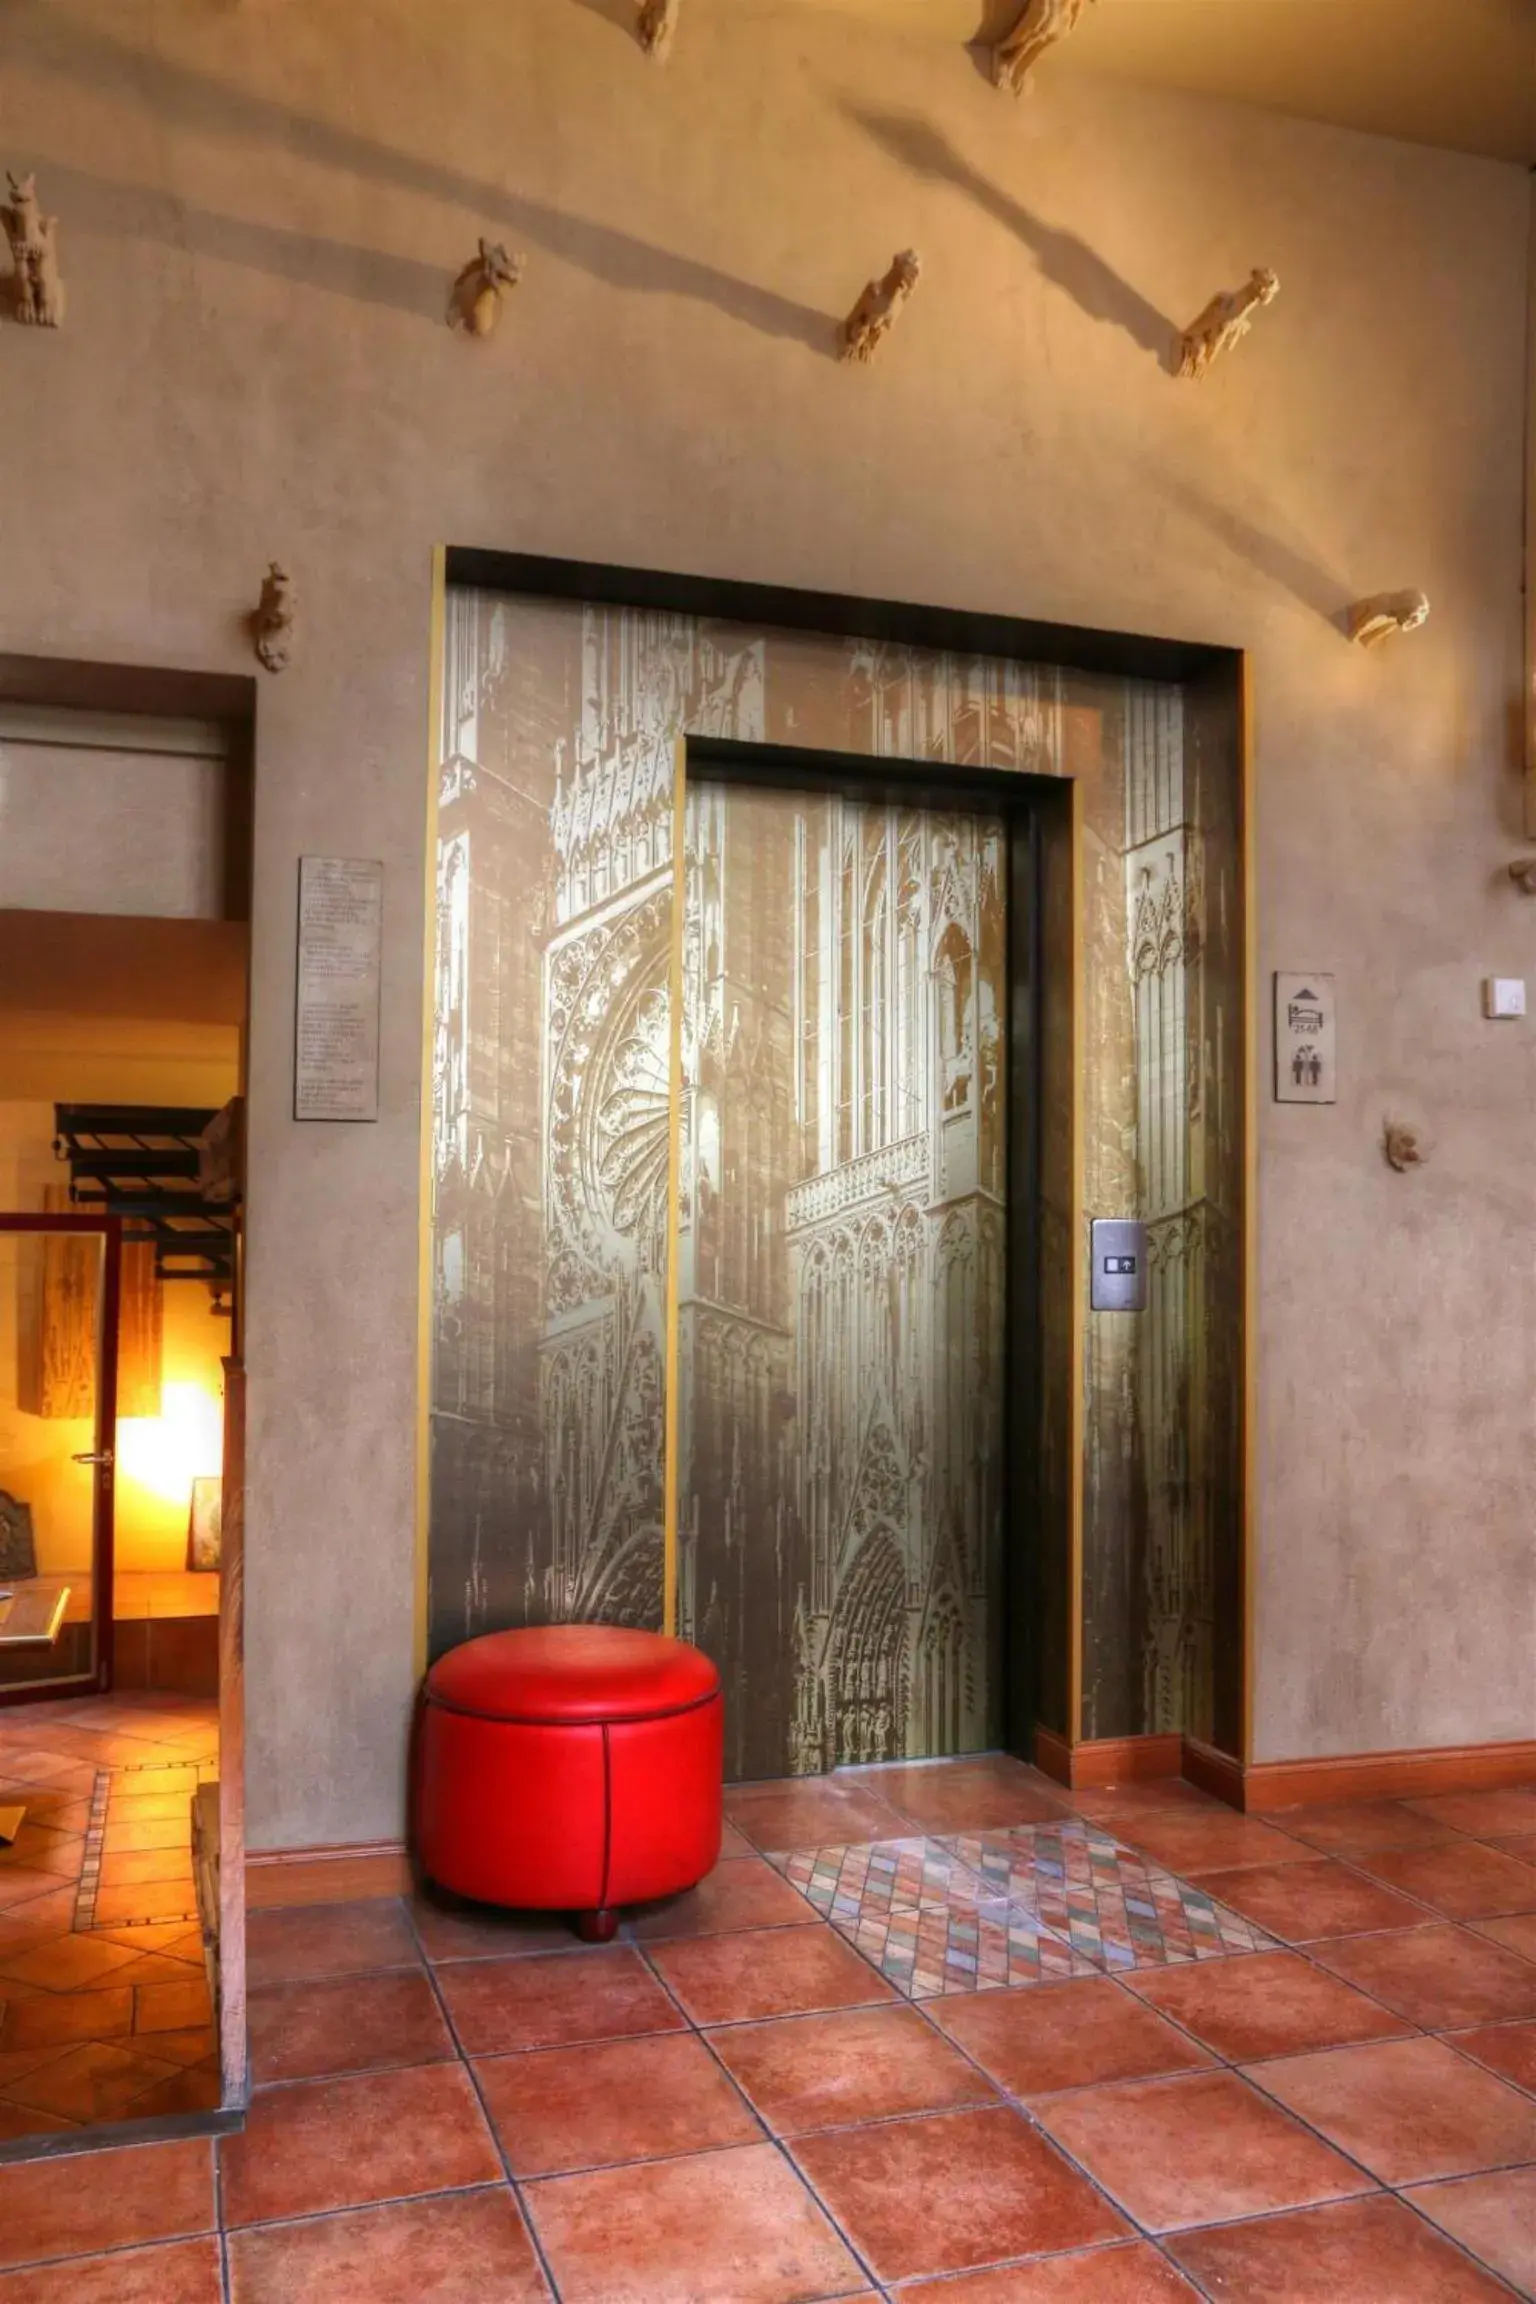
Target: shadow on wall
column 180, row 96
column 1064, row 260
column 116, row 211
column 1284, row 564
column 619, row 12
column 1099, row 292
column 185, row 97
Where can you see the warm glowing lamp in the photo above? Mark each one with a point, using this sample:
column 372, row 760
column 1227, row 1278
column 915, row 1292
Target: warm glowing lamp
column 185, row 1442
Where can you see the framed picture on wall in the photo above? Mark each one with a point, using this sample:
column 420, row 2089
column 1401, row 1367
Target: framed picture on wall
column 205, row 1522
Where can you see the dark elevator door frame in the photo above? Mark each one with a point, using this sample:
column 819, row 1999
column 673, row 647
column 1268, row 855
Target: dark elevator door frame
column 1028, row 805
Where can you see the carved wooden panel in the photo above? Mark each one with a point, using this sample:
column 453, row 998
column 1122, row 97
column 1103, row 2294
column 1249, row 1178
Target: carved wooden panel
column 57, row 1356
column 139, row 1332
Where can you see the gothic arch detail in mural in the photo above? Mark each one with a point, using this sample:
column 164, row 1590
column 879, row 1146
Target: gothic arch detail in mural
column 842, row 1053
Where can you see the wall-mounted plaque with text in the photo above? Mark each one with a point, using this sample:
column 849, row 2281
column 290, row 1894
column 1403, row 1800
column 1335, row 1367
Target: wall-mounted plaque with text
column 336, row 1041
column 1306, row 1053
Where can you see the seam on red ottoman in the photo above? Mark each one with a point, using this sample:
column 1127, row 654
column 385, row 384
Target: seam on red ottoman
column 608, row 1815
column 544, row 1719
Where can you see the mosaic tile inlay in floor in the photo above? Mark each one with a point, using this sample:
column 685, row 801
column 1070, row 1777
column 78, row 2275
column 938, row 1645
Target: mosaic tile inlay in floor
column 982, row 1911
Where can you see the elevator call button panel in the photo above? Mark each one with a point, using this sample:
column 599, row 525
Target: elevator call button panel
column 1119, row 1265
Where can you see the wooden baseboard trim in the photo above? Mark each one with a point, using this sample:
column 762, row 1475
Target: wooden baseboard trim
column 1091, row 1767
column 1214, row 1772
column 1271, row 1784
column 1267, row 1785
column 325, row 1875
column 1053, row 1755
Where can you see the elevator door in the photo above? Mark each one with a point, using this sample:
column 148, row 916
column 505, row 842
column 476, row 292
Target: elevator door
column 841, row 1273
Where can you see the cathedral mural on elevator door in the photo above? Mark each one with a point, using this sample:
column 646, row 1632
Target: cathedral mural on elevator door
column 842, row 1206
column 842, row 1273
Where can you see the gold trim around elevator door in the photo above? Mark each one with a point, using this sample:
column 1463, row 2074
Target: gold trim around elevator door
column 1078, row 1413
column 425, row 1262
column 671, row 1428
column 1248, row 805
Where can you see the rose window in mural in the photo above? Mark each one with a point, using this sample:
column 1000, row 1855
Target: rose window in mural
column 632, row 1130
column 600, row 981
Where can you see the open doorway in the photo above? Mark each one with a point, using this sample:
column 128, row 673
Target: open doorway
column 123, row 999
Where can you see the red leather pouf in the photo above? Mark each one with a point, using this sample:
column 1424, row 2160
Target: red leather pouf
column 570, row 1768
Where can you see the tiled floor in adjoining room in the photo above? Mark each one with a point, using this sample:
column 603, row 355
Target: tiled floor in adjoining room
column 935, row 2034
column 104, row 2006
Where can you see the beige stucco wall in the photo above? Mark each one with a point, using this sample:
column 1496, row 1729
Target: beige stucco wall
column 261, row 209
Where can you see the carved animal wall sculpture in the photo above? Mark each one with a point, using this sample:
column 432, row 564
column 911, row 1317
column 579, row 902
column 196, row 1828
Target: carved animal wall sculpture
column 874, row 315
column 1523, row 874
column 1401, row 1145
column 474, row 301
column 34, row 240
column 1223, row 323
column 655, row 25
column 1375, row 620
column 274, row 618
column 1043, row 25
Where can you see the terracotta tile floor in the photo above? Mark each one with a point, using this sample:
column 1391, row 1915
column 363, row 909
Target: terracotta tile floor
column 931, row 2035
column 104, row 2012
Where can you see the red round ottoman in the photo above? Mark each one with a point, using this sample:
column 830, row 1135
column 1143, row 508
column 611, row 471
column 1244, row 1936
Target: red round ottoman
column 570, row 1768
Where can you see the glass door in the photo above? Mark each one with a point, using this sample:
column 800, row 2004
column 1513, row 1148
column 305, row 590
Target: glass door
column 59, row 1286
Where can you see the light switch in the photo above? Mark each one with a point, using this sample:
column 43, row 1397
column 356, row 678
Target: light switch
column 1504, row 996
